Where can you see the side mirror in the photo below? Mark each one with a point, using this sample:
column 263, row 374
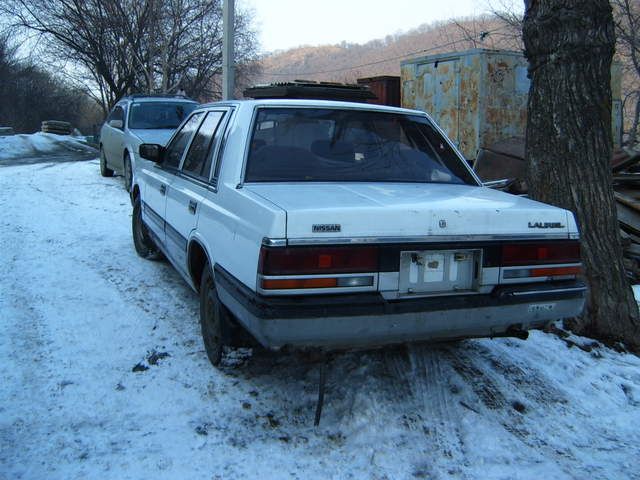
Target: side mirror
column 116, row 124
column 152, row 152
column 498, row 184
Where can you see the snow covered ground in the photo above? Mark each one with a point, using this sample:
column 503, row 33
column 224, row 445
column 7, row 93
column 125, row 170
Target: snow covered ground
column 31, row 148
column 103, row 375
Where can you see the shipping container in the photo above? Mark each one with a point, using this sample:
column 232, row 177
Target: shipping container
column 385, row 87
column 479, row 97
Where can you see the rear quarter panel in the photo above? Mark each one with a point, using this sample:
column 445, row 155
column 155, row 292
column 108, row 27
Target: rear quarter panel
column 233, row 221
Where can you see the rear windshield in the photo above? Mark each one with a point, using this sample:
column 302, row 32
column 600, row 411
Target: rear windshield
column 331, row 145
column 159, row 115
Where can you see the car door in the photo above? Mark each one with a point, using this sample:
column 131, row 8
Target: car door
column 114, row 144
column 191, row 185
column 158, row 177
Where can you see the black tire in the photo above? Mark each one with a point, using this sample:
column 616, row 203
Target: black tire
column 142, row 241
column 128, row 174
column 104, row 170
column 214, row 319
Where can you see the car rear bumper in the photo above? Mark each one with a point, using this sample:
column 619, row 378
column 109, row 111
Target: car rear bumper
column 367, row 320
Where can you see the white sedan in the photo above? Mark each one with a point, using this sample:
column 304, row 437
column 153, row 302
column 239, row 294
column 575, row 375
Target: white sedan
column 318, row 224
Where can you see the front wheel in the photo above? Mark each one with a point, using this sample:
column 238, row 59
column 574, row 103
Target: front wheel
column 104, row 170
column 142, row 241
column 214, row 318
column 128, row 173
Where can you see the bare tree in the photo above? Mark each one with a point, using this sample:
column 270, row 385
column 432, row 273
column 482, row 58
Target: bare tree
column 29, row 95
column 627, row 21
column 570, row 46
column 125, row 46
column 488, row 31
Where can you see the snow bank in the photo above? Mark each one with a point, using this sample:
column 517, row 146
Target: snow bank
column 35, row 144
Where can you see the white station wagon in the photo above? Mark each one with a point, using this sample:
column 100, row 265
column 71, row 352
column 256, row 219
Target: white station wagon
column 334, row 225
column 137, row 119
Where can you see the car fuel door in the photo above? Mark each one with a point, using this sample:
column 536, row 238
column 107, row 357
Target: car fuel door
column 191, row 185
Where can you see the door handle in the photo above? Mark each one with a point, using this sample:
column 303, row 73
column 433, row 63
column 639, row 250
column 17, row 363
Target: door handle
column 163, row 189
column 192, row 207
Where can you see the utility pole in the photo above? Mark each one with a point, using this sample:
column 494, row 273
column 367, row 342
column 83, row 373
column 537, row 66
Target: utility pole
column 228, row 70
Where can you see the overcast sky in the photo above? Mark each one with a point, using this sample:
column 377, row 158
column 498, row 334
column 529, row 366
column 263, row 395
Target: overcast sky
column 289, row 23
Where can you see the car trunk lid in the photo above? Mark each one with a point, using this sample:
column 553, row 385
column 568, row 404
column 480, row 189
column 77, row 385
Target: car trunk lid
column 394, row 211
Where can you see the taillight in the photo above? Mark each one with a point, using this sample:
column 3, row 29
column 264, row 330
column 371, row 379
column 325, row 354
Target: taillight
column 314, row 260
column 540, row 253
column 542, row 272
column 319, row 282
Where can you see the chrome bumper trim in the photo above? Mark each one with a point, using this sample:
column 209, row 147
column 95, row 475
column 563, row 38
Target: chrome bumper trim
column 281, row 242
column 547, row 292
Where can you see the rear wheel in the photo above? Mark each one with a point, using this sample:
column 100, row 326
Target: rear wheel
column 104, row 170
column 128, row 174
column 214, row 318
column 144, row 244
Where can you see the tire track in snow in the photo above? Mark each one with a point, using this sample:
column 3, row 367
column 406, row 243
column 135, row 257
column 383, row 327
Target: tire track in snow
column 26, row 343
column 427, row 376
column 531, row 383
column 508, row 393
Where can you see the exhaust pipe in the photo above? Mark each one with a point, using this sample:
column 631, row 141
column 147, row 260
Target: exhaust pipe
column 514, row 331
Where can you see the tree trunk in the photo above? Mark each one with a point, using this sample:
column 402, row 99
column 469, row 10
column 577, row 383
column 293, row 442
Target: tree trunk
column 570, row 45
column 633, row 133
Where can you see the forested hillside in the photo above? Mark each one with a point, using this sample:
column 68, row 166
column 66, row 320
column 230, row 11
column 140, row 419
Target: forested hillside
column 346, row 62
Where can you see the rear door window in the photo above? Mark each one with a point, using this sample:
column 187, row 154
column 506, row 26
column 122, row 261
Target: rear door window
column 198, row 160
column 180, row 141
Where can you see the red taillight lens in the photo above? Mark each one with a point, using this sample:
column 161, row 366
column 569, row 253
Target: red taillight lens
column 298, row 283
column 540, row 253
column 555, row 271
column 309, row 260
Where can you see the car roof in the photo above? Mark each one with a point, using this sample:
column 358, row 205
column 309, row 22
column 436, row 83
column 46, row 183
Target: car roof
column 275, row 102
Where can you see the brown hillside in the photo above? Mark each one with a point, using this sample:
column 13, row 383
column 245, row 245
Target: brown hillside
column 347, row 62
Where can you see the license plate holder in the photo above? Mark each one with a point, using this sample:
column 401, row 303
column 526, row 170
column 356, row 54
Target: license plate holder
column 439, row 271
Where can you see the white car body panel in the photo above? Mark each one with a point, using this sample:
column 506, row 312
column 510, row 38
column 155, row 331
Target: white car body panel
column 181, row 217
column 234, row 221
column 397, row 210
column 152, row 179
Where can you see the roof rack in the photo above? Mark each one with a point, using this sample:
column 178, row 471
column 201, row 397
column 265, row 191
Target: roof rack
column 309, row 89
column 157, row 95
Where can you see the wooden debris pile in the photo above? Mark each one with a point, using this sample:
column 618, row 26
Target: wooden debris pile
column 57, row 127
column 502, row 166
column 625, row 166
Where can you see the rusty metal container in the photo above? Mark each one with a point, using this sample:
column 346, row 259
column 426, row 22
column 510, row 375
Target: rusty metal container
column 478, row 97
column 385, row 87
